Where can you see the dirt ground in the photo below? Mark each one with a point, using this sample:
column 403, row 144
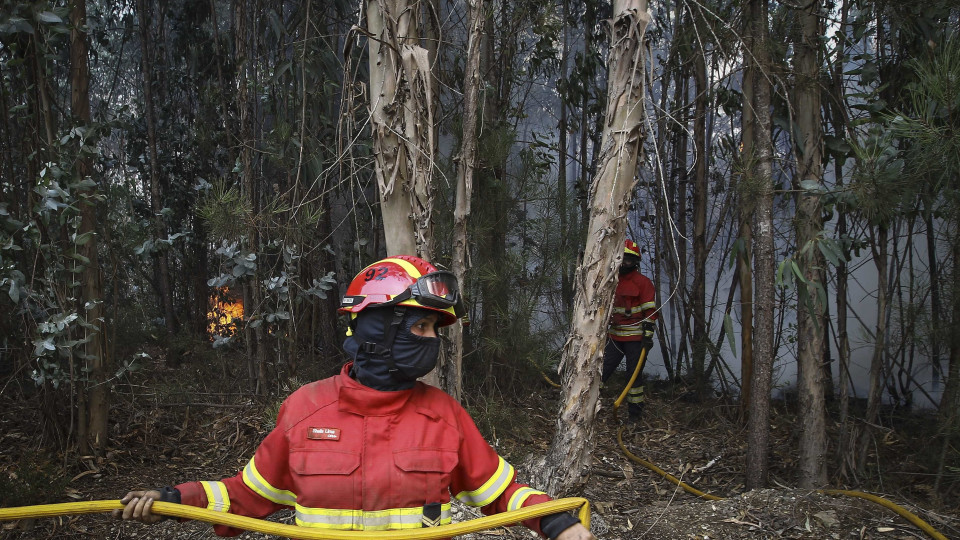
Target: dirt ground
column 205, row 428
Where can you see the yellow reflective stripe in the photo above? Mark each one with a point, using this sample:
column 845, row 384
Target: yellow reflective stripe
column 520, row 496
column 492, row 488
column 218, row 499
column 360, row 520
column 407, row 267
column 255, row 481
column 635, row 309
column 621, row 331
column 635, row 324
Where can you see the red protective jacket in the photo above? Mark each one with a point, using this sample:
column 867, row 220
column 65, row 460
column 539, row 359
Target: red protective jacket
column 634, row 303
column 348, row 457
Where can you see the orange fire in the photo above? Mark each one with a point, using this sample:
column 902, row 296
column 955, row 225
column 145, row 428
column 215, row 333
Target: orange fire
column 226, row 309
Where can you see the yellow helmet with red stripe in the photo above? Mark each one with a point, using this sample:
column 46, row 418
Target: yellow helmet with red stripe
column 405, row 280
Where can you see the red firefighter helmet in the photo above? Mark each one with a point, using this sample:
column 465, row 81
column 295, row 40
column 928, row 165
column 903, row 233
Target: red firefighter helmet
column 631, row 248
column 404, row 280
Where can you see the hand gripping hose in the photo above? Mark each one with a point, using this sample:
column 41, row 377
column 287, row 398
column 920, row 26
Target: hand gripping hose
column 304, row 533
column 901, row 511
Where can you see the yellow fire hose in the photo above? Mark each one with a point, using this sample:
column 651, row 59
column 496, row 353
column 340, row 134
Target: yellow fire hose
column 293, row 531
column 636, row 373
column 901, row 511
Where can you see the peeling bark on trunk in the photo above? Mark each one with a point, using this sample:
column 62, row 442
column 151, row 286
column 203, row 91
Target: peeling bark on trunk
column 401, row 113
column 451, row 376
column 570, row 453
column 811, row 322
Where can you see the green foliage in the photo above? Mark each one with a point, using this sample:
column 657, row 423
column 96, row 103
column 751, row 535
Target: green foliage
column 226, row 211
column 880, row 188
column 47, row 301
column 930, row 119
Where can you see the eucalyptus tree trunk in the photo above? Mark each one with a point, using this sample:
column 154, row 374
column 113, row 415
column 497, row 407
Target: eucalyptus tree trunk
column 875, row 390
column 91, row 284
column 451, row 376
column 698, row 299
column 559, row 472
column 744, row 255
column 811, row 322
column 566, row 297
column 844, row 439
column 244, row 46
column 432, row 35
column 159, row 230
column 681, row 178
column 758, row 422
column 666, row 249
column 497, row 59
column 401, row 114
column 950, row 402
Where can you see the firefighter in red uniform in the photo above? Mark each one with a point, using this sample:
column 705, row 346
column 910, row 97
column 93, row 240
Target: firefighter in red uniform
column 373, row 449
column 631, row 325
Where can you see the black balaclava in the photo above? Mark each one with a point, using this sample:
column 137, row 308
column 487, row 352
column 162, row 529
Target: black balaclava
column 629, row 264
column 413, row 356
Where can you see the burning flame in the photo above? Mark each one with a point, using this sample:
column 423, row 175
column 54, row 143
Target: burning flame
column 226, row 309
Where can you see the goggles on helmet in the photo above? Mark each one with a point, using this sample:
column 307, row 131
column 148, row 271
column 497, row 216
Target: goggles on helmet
column 437, row 290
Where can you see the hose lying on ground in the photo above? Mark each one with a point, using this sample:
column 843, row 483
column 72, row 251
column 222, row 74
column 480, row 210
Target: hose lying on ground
column 901, row 511
column 304, row 533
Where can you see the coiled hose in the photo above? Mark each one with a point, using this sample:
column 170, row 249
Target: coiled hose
column 304, row 533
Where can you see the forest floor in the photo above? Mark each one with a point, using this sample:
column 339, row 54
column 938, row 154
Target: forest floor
column 192, row 422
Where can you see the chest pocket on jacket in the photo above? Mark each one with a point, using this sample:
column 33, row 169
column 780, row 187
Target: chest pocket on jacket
column 426, row 471
column 628, row 289
column 322, row 476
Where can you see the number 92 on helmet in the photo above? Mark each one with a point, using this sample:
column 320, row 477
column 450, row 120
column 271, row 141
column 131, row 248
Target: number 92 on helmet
column 405, row 280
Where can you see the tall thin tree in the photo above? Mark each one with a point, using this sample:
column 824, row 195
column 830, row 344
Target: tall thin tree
column 91, row 298
column 610, row 193
column 758, row 422
column 811, row 322
column 744, row 253
column 698, row 296
column 468, row 162
column 156, row 204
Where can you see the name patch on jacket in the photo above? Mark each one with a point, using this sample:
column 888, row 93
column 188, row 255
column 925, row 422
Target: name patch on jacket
column 324, row 434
